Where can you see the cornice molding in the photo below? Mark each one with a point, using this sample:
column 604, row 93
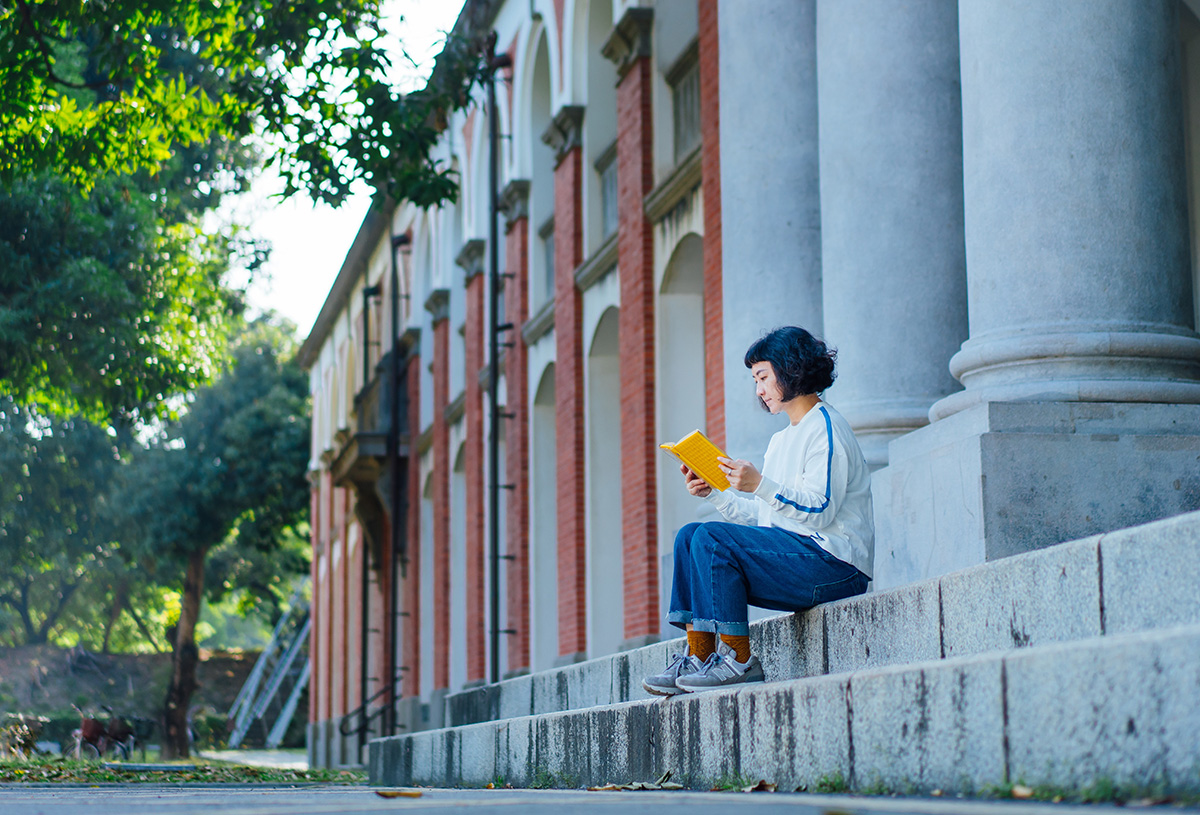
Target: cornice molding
column 631, row 39
column 438, row 304
column 514, row 201
column 674, row 188
column 470, row 257
column 565, row 132
column 598, row 265
column 537, row 325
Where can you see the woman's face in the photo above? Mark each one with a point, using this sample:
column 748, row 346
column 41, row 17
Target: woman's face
column 766, row 387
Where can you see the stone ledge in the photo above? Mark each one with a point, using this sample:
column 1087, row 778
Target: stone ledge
column 968, row 612
column 1034, row 715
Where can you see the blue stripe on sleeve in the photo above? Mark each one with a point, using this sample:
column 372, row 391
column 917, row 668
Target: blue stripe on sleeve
column 828, row 470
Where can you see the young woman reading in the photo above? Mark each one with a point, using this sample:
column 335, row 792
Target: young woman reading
column 801, row 534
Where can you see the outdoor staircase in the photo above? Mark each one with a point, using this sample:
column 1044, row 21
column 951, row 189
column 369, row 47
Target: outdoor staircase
column 268, row 700
column 1073, row 666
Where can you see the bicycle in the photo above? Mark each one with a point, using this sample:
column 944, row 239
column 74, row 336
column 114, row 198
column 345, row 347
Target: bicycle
column 94, row 737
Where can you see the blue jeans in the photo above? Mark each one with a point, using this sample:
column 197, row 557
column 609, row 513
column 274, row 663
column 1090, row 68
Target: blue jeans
column 720, row 568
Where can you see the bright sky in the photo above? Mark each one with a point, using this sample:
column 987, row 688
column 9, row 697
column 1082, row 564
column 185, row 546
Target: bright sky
column 311, row 240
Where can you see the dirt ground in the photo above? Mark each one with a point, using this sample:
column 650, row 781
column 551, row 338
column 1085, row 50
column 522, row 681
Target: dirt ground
column 45, row 679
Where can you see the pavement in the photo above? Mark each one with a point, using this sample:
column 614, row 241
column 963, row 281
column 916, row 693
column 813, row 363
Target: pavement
column 315, row 800
column 277, row 759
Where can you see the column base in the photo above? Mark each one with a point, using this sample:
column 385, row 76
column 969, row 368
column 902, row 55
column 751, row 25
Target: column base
column 1002, row 478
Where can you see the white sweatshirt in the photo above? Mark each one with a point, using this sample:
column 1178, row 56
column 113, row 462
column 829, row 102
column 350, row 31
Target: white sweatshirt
column 815, row 482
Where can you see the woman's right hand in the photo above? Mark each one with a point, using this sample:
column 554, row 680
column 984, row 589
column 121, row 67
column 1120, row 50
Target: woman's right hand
column 696, row 485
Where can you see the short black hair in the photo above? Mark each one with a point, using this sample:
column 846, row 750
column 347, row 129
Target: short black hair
column 803, row 364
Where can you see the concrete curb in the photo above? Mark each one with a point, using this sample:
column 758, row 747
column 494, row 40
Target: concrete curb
column 1067, row 592
column 1054, row 714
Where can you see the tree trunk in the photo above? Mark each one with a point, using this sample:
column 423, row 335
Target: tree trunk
column 114, row 614
column 183, row 662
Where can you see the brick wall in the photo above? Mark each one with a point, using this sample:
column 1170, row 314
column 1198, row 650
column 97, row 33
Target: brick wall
column 710, row 161
column 516, row 445
column 635, row 248
column 568, row 314
column 441, row 506
column 476, row 494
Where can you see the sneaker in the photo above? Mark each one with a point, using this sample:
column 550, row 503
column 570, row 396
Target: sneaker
column 663, row 684
column 721, row 670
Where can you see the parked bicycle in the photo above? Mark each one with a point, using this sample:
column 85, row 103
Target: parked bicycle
column 96, row 737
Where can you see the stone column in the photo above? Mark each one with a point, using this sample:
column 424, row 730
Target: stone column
column 710, row 159
column 470, row 258
column 893, row 260
column 1075, row 199
column 770, row 201
column 1082, row 371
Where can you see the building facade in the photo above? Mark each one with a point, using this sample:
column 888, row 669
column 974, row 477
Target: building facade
column 988, row 207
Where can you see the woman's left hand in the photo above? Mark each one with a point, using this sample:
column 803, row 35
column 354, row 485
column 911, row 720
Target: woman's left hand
column 742, row 474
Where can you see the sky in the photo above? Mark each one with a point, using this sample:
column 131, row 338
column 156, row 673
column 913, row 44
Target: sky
column 311, row 240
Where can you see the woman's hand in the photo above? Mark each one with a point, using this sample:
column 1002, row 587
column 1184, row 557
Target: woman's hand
column 742, row 474
column 696, row 485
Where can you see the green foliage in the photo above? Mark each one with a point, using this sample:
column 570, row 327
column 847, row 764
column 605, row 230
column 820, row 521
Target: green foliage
column 106, row 309
column 228, row 478
column 834, row 783
column 54, row 524
column 48, row 769
column 95, row 88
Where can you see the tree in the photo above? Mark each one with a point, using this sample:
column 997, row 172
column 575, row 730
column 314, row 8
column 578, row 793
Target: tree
column 90, row 89
column 224, row 482
column 107, row 308
column 54, row 528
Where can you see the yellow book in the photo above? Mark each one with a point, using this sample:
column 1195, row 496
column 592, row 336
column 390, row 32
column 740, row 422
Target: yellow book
column 700, row 456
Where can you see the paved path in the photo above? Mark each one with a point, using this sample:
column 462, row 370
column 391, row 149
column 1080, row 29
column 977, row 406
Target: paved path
column 278, row 759
column 153, row 800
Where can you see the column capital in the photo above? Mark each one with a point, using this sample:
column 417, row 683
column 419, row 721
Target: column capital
column 565, row 131
column 630, row 39
column 438, row 304
column 470, row 257
column 409, row 342
column 514, row 200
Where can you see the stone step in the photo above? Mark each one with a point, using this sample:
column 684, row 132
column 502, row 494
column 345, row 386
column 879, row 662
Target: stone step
column 1133, row 579
column 1115, row 710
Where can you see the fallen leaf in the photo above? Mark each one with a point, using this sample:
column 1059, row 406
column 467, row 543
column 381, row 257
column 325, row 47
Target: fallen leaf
column 605, row 788
column 936, row 793
column 671, row 785
column 398, row 793
column 761, row 786
column 490, row 786
column 1020, row 791
column 664, row 778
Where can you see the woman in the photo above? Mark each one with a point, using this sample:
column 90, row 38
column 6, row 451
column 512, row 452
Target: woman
column 801, row 534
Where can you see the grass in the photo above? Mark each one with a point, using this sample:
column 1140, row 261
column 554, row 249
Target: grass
column 64, row 771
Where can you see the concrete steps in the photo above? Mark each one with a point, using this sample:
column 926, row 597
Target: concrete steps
column 1068, row 665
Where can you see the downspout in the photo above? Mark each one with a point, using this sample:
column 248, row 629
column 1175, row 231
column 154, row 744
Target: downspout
column 495, row 63
column 365, row 633
column 399, row 512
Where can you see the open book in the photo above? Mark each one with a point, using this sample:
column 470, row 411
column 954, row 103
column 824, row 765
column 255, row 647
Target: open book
column 700, row 456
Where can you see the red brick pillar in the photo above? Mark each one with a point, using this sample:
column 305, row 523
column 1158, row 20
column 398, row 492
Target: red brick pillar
column 515, row 201
column 563, row 135
column 471, row 259
column 438, row 305
column 710, row 164
column 630, row 48
column 411, row 656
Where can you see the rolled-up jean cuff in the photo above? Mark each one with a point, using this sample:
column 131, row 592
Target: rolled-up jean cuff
column 679, row 619
column 741, row 629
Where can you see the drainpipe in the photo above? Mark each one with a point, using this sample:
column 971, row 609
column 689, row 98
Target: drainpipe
column 496, row 62
column 365, row 635
column 399, row 512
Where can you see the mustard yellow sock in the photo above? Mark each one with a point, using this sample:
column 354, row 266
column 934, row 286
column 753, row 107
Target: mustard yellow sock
column 701, row 644
column 740, row 645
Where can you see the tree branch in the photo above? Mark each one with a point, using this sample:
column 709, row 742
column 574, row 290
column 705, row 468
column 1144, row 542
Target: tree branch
column 48, row 57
